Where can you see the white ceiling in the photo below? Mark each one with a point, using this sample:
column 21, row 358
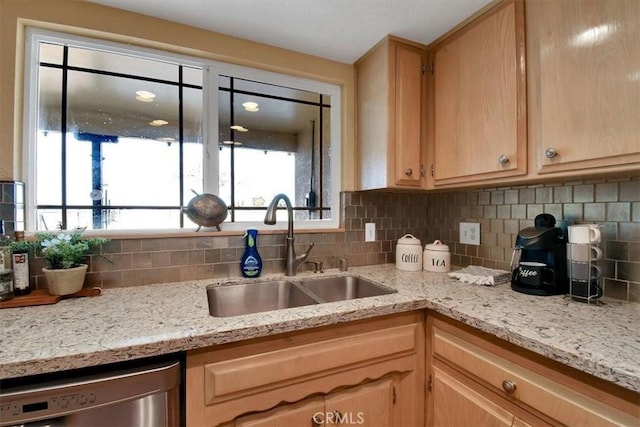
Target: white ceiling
column 342, row 30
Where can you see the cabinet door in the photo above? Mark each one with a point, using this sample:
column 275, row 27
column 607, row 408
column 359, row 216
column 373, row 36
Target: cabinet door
column 455, row 404
column 390, row 119
column 308, row 413
column 480, row 99
column 409, row 90
column 367, row 405
column 584, row 75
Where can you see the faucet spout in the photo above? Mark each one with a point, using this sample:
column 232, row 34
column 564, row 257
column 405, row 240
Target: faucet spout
column 291, row 261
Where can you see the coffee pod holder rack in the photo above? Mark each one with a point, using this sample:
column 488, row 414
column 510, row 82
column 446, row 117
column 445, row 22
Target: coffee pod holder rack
column 584, row 275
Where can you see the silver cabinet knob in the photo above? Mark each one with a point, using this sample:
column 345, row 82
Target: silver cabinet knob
column 503, row 160
column 408, row 172
column 509, row 386
column 550, row 153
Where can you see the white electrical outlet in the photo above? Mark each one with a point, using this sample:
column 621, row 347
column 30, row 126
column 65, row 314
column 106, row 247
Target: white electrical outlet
column 470, row 233
column 370, row 232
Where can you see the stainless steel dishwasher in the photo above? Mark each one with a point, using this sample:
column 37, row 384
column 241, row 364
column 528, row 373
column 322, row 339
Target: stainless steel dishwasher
column 145, row 395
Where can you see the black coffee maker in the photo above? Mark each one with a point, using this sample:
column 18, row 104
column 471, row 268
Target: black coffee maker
column 539, row 260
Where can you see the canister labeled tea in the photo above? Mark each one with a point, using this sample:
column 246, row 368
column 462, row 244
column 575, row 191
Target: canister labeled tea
column 409, row 253
column 437, row 257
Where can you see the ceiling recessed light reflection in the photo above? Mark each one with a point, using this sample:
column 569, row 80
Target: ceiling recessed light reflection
column 251, row 106
column 145, row 96
column 234, row 143
column 159, row 122
column 239, row 128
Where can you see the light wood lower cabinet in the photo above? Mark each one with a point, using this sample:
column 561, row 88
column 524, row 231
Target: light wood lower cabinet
column 457, row 404
column 477, row 379
column 365, row 372
column 367, row 405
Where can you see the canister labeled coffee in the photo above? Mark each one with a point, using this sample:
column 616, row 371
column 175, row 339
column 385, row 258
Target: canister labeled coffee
column 409, row 253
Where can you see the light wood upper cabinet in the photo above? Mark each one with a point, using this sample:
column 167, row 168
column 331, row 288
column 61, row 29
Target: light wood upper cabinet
column 391, row 99
column 478, row 99
column 584, row 78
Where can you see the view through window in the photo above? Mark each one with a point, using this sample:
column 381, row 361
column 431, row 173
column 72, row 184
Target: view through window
column 120, row 142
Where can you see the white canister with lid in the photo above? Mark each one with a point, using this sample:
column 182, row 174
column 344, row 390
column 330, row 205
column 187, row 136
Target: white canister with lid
column 437, row 257
column 409, row 253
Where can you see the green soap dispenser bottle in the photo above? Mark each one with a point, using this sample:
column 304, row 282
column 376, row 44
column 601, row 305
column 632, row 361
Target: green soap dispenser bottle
column 251, row 263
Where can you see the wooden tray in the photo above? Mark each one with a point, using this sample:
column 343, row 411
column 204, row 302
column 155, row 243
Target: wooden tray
column 42, row 297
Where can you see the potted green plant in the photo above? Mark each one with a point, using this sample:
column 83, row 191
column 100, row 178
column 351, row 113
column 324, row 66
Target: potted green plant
column 65, row 253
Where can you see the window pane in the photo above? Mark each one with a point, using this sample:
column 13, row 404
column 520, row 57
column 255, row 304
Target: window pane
column 192, row 76
column 123, row 64
column 260, row 175
column 192, row 148
column 107, row 105
column 127, row 219
column 48, row 219
column 51, row 53
column 80, row 165
column 141, row 172
column 114, row 134
column 49, row 138
column 274, row 90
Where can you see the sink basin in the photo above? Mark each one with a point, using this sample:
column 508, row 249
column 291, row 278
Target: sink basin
column 234, row 300
column 342, row 288
column 246, row 298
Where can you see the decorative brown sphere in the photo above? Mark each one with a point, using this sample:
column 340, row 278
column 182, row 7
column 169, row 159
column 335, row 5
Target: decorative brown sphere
column 206, row 210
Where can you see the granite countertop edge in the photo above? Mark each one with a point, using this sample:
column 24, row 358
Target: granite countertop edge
column 166, row 318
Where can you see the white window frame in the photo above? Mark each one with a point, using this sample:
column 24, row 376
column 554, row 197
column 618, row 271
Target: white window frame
column 211, row 72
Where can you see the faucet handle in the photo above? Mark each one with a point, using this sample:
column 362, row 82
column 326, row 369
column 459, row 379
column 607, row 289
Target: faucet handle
column 317, row 266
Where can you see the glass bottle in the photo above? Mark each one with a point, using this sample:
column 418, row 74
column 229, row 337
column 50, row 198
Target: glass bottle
column 5, row 262
column 20, row 263
column 6, row 277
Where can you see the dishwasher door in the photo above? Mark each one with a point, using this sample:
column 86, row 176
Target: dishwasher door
column 141, row 396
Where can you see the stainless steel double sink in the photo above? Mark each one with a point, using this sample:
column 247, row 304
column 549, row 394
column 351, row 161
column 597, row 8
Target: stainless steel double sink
column 246, row 298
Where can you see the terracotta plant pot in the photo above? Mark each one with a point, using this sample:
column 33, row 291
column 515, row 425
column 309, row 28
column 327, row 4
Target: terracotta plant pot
column 65, row 281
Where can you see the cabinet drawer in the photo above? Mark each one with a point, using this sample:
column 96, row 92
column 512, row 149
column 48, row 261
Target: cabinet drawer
column 270, row 369
column 549, row 397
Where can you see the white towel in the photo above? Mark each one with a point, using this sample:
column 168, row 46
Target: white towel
column 476, row 275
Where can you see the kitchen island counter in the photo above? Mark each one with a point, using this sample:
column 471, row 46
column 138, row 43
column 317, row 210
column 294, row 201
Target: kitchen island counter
column 137, row 322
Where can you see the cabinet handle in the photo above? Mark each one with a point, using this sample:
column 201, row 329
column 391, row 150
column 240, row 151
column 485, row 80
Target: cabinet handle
column 550, row 153
column 408, row 172
column 503, row 160
column 509, row 386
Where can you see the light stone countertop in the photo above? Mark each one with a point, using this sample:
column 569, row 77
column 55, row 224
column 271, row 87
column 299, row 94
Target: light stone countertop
column 131, row 323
